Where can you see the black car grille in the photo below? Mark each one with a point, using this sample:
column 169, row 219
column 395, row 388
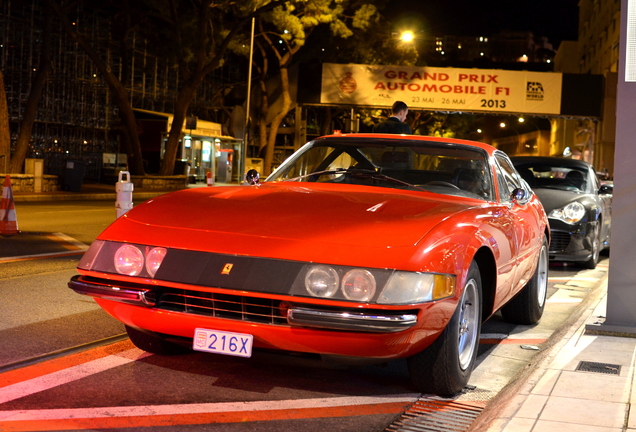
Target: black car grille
column 559, row 241
column 242, row 308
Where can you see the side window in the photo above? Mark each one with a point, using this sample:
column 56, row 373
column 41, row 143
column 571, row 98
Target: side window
column 507, row 177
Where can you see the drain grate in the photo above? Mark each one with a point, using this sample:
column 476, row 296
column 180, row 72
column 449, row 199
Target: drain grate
column 436, row 414
column 604, row 368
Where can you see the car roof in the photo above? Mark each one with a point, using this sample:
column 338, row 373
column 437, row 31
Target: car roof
column 554, row 161
column 366, row 137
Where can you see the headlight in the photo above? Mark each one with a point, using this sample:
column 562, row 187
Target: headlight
column 407, row 287
column 571, row 213
column 322, row 281
column 154, row 259
column 358, row 285
column 129, row 260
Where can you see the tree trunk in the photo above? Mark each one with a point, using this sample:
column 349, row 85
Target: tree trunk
column 31, row 108
column 30, row 111
column 273, row 131
column 174, row 136
column 5, row 134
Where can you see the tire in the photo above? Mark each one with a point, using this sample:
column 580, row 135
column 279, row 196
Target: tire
column 154, row 344
column 444, row 368
column 596, row 250
column 527, row 306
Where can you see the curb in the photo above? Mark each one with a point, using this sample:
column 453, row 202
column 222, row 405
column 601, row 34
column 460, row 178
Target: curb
column 84, row 196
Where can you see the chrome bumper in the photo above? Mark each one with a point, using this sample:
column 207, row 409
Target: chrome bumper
column 139, row 296
column 350, row 321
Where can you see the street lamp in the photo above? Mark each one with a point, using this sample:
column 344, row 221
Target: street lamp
column 407, row 36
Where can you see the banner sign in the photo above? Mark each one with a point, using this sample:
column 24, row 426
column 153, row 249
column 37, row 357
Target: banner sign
column 442, row 89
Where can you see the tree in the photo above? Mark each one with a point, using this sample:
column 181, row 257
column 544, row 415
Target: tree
column 198, row 35
column 285, row 30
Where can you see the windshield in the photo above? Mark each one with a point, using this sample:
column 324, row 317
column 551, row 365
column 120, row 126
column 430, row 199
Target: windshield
column 434, row 167
column 548, row 176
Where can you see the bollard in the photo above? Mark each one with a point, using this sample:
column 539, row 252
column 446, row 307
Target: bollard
column 124, row 189
column 209, row 178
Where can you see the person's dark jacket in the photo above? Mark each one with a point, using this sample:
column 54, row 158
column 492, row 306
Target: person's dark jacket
column 392, row 125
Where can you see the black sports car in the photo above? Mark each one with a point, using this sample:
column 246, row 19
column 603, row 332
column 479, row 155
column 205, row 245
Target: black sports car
column 578, row 206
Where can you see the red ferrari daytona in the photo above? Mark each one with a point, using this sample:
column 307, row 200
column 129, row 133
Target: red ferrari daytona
column 358, row 248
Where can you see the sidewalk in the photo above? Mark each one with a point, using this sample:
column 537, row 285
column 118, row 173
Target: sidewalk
column 585, row 383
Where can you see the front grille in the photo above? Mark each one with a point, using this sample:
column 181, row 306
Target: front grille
column 559, row 241
column 242, row 308
column 255, row 309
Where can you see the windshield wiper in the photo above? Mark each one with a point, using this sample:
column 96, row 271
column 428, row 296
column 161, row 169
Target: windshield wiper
column 357, row 172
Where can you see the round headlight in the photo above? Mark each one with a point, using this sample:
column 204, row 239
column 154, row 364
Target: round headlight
column 321, row 281
column 129, row 260
column 154, row 259
column 574, row 212
column 571, row 213
column 358, row 285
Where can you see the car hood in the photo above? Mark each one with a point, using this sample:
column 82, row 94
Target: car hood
column 554, row 198
column 359, row 216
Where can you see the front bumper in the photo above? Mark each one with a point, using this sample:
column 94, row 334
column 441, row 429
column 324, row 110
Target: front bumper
column 572, row 243
column 284, row 323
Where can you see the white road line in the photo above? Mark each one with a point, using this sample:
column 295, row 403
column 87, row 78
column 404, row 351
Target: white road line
column 204, row 408
column 71, row 240
column 52, row 254
column 46, row 382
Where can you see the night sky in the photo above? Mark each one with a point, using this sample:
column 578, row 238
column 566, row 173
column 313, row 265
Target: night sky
column 555, row 19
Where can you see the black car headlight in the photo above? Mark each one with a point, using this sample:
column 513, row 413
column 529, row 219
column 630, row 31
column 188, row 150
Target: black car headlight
column 571, row 213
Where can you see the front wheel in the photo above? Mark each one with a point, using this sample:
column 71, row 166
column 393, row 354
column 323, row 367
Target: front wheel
column 596, row 250
column 445, row 367
column 527, row 306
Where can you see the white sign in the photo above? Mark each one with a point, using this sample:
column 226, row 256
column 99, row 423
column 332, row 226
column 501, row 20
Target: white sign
column 442, row 89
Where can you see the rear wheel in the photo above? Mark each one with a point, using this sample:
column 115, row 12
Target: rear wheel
column 527, row 306
column 153, row 343
column 445, row 367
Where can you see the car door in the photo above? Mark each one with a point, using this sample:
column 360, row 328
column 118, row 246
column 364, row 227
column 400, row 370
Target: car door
column 524, row 218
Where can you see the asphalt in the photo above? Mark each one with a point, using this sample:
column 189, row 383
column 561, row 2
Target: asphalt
column 585, row 381
column 22, row 245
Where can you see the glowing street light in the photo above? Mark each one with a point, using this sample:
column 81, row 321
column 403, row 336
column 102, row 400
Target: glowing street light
column 407, row 36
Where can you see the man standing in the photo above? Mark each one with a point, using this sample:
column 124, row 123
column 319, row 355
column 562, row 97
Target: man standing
column 395, row 124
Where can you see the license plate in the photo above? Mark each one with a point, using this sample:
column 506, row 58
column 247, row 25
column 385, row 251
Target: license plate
column 221, row 342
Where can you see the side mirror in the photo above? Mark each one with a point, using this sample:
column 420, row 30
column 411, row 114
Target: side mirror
column 252, row 177
column 606, row 189
column 518, row 194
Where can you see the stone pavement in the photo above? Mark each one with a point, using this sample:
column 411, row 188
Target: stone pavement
column 584, row 383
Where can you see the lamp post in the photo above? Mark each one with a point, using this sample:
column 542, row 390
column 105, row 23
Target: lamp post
column 247, row 104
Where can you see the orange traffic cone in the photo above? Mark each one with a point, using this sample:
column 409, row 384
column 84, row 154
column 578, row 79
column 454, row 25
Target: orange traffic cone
column 8, row 222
